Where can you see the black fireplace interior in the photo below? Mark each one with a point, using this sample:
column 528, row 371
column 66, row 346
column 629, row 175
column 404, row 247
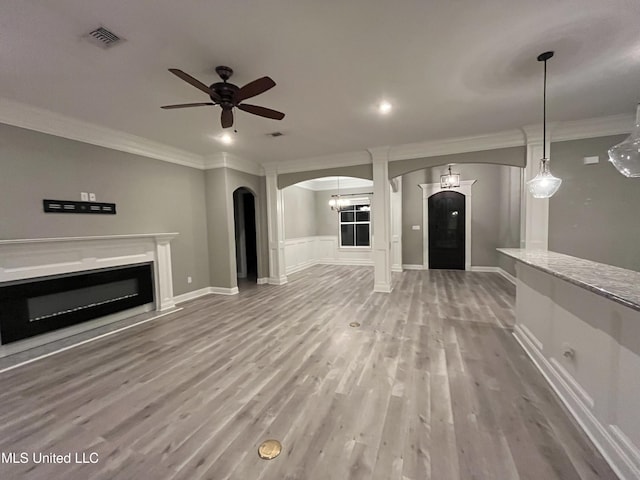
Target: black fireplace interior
column 43, row 304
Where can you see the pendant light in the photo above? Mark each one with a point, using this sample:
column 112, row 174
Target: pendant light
column 625, row 156
column 544, row 184
column 449, row 180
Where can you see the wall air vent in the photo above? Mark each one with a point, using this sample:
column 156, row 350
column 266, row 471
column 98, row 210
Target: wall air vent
column 275, row 134
column 103, row 38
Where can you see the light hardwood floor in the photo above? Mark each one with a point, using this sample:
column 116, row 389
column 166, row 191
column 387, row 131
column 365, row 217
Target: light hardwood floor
column 431, row 386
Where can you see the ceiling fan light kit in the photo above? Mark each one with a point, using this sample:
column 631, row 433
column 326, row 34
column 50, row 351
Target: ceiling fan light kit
column 544, row 184
column 229, row 96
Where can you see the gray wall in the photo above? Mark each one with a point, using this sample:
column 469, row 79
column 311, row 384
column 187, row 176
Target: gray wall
column 151, row 196
column 594, row 214
column 495, row 207
column 299, row 212
column 220, row 185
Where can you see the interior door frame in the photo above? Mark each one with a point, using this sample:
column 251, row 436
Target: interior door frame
column 429, row 189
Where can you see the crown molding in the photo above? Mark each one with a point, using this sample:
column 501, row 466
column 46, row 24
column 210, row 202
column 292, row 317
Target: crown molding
column 449, row 146
column 229, row 160
column 592, row 127
column 45, row 121
column 348, row 159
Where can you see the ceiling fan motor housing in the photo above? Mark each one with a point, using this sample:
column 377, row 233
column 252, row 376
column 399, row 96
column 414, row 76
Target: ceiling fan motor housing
column 227, row 93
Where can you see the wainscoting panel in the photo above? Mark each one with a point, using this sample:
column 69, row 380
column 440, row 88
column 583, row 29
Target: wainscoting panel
column 304, row 252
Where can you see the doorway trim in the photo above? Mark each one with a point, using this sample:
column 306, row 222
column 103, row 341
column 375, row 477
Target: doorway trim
column 429, row 189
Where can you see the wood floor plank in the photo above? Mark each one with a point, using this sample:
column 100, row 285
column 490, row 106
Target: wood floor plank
column 432, row 385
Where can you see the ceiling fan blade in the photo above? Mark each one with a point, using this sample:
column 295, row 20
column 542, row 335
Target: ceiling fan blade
column 185, row 105
column 195, row 82
column 226, row 118
column 254, row 88
column 261, row 111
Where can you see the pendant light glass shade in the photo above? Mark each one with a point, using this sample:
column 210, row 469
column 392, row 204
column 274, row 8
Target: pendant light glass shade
column 625, row 156
column 544, row 184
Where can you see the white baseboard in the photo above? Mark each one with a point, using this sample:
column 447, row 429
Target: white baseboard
column 204, row 291
column 262, row 280
column 185, row 297
column 406, row 266
column 278, row 281
column 505, row 274
column 396, row 268
column 340, row 261
column 619, row 453
column 224, row 290
column 302, row 266
column 479, row 268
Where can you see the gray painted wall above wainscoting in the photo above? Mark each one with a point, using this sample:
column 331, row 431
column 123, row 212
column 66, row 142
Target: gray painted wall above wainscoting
column 299, row 212
column 594, row 215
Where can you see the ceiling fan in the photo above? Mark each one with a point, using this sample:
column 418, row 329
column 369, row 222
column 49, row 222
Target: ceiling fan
column 228, row 95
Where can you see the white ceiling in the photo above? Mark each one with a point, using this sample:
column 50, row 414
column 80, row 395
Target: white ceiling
column 454, row 68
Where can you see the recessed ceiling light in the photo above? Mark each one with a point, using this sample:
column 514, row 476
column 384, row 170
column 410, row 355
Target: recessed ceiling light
column 384, row 107
column 226, row 138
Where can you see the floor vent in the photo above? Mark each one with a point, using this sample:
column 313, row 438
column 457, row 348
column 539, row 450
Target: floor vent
column 103, row 38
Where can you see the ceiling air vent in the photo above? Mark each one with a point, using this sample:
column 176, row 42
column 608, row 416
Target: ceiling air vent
column 275, row 134
column 103, row 38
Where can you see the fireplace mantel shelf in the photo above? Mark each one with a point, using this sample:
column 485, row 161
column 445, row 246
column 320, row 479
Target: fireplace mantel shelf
column 159, row 236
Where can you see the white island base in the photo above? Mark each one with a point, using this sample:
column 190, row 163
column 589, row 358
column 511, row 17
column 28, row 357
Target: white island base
column 585, row 339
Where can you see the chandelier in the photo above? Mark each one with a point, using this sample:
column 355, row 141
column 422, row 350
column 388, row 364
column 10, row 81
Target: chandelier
column 449, row 180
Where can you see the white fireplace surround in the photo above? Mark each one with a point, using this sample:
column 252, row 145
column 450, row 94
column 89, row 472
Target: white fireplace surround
column 38, row 257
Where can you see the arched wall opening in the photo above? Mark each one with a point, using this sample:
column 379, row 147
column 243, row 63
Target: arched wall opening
column 245, row 235
column 493, row 211
column 314, row 233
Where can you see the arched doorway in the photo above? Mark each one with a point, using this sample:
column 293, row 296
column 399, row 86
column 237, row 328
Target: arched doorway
column 447, row 230
column 244, row 218
column 431, row 189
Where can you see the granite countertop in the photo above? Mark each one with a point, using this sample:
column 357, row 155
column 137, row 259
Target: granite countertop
column 615, row 283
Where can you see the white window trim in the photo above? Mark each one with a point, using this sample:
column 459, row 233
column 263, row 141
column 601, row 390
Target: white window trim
column 361, row 201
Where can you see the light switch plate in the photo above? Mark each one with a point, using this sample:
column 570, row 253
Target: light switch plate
column 92, row 197
column 84, row 196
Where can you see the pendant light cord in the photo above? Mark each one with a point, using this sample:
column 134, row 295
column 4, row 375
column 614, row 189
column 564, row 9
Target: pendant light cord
column 544, row 115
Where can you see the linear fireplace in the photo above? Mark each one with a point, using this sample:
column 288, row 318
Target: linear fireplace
column 38, row 305
column 30, row 263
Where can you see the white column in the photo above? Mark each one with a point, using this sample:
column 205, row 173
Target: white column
column 164, row 278
column 381, row 220
column 396, row 224
column 275, row 218
column 534, row 218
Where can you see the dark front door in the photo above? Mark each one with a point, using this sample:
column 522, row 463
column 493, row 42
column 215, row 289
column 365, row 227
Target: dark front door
column 446, row 230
